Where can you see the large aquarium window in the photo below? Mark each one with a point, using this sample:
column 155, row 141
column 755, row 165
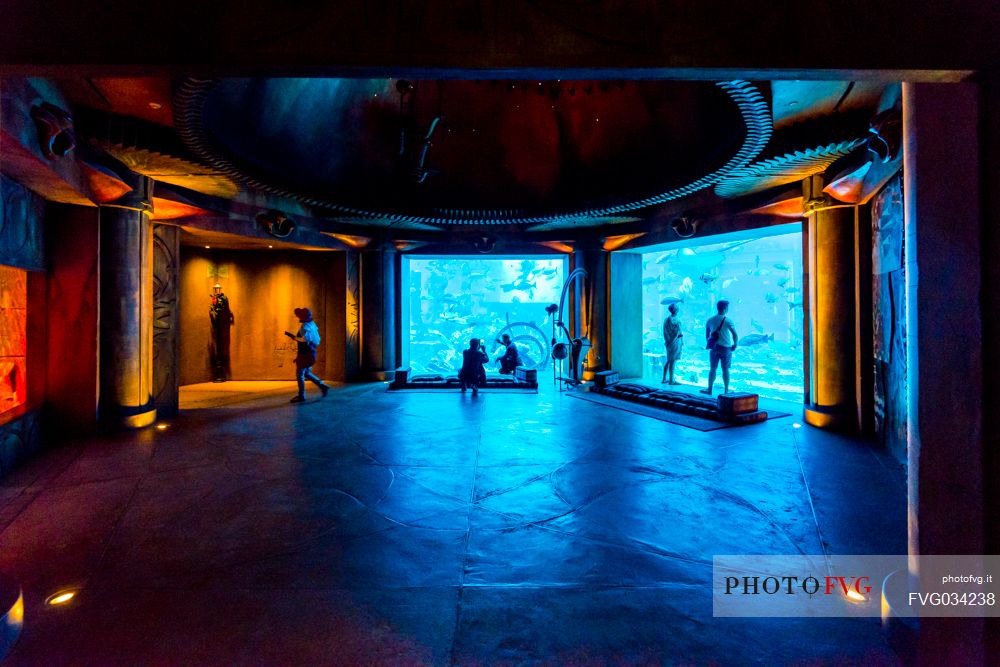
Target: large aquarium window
column 762, row 280
column 453, row 299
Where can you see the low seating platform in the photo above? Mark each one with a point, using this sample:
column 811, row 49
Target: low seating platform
column 733, row 408
column 523, row 378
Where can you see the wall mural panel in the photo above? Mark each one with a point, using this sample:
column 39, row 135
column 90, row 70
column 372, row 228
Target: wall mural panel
column 165, row 318
column 21, row 236
column 889, row 317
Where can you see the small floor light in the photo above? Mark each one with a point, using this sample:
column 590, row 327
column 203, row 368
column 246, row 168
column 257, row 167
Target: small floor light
column 161, row 427
column 796, row 425
column 854, row 596
column 62, row 597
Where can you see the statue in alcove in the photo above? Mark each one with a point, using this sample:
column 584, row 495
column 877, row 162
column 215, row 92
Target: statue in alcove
column 222, row 319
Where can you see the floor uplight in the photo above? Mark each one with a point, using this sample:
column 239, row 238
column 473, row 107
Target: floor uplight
column 59, row 598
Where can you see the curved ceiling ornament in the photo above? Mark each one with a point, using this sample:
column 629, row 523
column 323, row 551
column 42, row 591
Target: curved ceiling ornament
column 750, row 102
column 784, row 169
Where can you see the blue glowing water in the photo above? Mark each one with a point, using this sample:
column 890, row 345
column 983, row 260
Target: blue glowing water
column 762, row 280
column 453, row 299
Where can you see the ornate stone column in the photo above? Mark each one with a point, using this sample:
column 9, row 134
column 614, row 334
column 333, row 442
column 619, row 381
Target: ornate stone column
column 832, row 398
column 126, row 375
column 591, row 309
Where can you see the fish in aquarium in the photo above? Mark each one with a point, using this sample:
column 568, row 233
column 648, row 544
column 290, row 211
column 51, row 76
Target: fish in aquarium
column 771, row 297
column 782, row 282
column 708, row 278
column 729, row 281
column 795, row 304
column 782, row 266
column 756, row 326
column 522, row 285
column 755, row 339
column 792, row 290
column 650, row 280
column 671, row 299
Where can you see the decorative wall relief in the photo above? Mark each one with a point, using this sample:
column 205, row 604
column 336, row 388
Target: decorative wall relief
column 352, row 355
column 165, row 318
column 889, row 317
column 21, row 226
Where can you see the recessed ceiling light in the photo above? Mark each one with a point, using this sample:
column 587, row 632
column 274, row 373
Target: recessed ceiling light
column 207, row 247
column 62, row 597
column 155, row 105
column 796, row 425
column 270, row 246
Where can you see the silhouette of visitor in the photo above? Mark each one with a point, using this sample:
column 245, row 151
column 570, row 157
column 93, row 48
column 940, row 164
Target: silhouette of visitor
column 673, row 341
column 473, row 374
column 721, row 341
column 509, row 360
column 308, row 340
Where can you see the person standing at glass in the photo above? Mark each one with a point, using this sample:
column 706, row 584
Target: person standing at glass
column 673, row 341
column 721, row 341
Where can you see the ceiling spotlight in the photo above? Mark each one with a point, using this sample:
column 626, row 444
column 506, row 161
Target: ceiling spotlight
column 155, row 105
column 484, row 244
column 207, row 247
column 684, row 227
column 276, row 223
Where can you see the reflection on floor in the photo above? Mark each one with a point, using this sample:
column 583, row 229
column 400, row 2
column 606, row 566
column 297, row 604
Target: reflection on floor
column 399, row 528
column 220, row 394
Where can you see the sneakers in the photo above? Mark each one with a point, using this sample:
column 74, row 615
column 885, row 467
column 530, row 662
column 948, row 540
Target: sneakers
column 325, row 389
column 299, row 399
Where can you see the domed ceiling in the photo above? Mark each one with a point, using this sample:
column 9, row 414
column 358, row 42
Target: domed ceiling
column 446, row 152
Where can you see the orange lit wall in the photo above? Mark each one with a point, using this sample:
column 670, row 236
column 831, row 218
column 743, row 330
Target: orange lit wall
column 13, row 338
column 263, row 287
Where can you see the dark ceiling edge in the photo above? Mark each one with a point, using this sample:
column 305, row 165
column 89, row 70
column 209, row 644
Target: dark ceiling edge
column 12, row 67
column 188, row 120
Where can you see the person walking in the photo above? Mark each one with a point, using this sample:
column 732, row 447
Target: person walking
column 308, row 340
column 721, row 341
column 673, row 341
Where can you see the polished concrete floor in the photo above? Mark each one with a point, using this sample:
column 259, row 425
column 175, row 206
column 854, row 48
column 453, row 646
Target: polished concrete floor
column 411, row 528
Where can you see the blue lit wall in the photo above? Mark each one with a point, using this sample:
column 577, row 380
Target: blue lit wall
column 453, row 299
column 762, row 279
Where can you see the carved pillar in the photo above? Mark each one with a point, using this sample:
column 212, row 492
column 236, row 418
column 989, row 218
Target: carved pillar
column 127, row 309
column 832, row 399
column 592, row 307
column 378, row 313
column 352, row 338
column 166, row 242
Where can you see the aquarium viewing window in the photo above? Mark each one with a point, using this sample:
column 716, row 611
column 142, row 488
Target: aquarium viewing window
column 453, row 299
column 761, row 278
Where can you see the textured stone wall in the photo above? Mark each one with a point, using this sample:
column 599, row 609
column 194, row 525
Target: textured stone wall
column 21, row 231
column 889, row 317
column 22, row 247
